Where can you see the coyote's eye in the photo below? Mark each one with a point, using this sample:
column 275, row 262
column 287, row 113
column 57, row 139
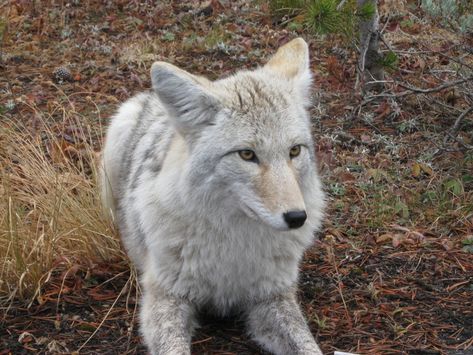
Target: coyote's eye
column 247, row 155
column 295, row 151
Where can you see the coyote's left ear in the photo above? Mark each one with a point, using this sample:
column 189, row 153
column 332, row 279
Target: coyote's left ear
column 185, row 96
column 291, row 62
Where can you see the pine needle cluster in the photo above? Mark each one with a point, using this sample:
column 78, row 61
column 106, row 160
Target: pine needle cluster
column 324, row 16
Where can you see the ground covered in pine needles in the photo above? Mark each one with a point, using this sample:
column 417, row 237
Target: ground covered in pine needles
column 392, row 271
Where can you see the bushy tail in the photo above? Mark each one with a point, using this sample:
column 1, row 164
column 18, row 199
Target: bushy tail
column 106, row 192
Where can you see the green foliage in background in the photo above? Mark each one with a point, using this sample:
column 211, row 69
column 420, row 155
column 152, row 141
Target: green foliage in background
column 322, row 16
column 390, row 61
column 456, row 13
column 293, row 6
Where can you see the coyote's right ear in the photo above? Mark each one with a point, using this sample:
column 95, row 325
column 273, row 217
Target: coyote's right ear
column 185, row 97
column 291, row 62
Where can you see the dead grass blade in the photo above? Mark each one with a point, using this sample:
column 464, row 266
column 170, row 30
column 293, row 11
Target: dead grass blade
column 50, row 206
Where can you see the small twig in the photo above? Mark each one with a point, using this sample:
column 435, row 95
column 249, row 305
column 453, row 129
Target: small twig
column 380, row 81
column 454, row 60
column 414, row 90
column 456, row 126
column 445, row 106
column 363, row 51
column 431, row 52
column 463, row 144
column 331, row 255
column 340, row 5
column 381, row 37
column 106, row 315
column 431, row 90
column 132, row 323
column 427, row 51
column 348, row 138
column 420, row 236
column 202, row 341
column 385, row 25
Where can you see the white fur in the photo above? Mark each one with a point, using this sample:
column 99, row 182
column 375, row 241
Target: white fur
column 204, row 227
column 123, row 124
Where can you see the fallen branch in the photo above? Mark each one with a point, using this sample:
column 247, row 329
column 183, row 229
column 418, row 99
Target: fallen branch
column 447, row 85
column 456, row 126
column 414, row 90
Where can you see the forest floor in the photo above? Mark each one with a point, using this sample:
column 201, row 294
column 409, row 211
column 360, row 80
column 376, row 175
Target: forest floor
column 392, row 269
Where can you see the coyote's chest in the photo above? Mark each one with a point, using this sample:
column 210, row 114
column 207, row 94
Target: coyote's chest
column 228, row 271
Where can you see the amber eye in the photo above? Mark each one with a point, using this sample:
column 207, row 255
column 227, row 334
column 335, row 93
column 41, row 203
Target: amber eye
column 295, row 151
column 247, row 155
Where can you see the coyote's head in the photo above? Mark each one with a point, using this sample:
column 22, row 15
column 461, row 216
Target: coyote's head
column 248, row 139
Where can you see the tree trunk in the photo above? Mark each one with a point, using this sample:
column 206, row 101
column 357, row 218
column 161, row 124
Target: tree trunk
column 371, row 71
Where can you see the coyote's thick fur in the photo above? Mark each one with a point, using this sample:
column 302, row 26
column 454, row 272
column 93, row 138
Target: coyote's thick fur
column 214, row 188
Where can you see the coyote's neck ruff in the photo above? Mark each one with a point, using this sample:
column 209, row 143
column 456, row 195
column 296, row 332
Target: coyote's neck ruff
column 215, row 191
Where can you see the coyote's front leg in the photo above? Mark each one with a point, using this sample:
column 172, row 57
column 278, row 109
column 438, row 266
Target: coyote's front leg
column 166, row 322
column 279, row 326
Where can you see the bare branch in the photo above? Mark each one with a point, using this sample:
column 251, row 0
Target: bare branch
column 456, row 126
column 431, row 90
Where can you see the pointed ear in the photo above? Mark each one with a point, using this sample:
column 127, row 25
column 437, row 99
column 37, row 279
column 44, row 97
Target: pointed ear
column 291, row 62
column 185, row 96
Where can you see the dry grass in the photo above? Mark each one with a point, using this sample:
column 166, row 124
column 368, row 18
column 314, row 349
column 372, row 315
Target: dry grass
column 50, row 211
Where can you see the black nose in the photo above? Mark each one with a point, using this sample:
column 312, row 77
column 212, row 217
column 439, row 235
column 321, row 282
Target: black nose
column 295, row 219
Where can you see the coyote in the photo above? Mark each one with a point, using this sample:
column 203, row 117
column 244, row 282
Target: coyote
column 214, row 189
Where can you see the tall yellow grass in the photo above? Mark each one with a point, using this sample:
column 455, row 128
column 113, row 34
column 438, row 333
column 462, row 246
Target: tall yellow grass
column 50, row 210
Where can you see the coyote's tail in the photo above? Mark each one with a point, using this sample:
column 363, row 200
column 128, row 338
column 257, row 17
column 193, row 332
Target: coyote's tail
column 106, row 192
